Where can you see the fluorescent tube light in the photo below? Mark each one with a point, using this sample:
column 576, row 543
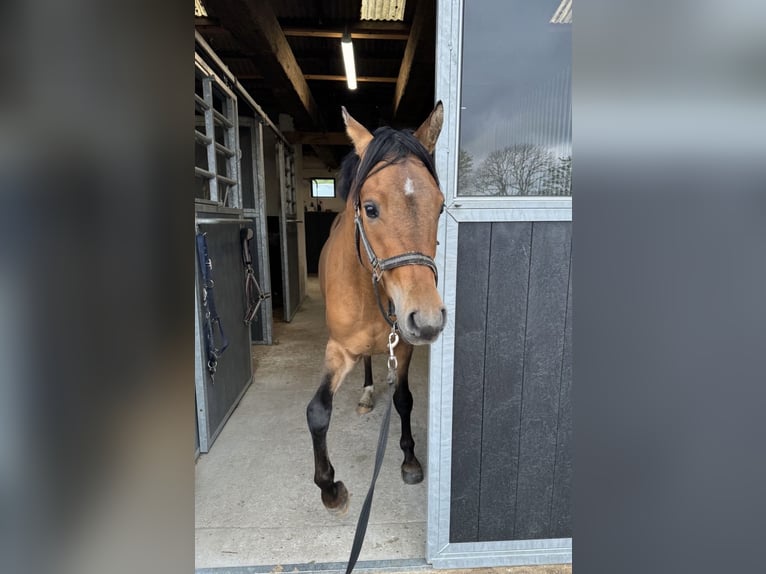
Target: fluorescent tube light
column 348, row 60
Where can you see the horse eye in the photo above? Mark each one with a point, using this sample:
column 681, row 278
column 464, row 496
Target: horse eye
column 442, row 209
column 371, row 210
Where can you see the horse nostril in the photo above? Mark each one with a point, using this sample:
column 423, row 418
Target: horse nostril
column 427, row 326
column 411, row 323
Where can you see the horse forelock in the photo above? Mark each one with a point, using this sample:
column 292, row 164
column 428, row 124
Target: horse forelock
column 389, row 146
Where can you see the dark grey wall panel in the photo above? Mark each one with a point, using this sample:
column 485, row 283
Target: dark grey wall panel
column 470, row 336
column 503, row 374
column 546, row 313
column 234, row 367
column 561, row 506
column 511, row 445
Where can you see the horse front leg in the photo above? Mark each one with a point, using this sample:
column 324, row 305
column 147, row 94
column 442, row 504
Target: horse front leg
column 412, row 472
column 367, row 400
column 318, row 413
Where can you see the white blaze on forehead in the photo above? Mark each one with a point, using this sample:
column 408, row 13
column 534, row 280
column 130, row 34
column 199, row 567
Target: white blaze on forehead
column 409, row 189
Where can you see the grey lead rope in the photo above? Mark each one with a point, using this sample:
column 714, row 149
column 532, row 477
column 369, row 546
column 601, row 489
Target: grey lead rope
column 364, row 515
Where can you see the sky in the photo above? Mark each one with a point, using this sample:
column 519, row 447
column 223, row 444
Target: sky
column 516, row 77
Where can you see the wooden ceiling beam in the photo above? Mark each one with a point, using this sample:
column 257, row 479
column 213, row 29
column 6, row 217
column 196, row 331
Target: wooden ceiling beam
column 206, row 22
column 254, row 25
column 361, row 79
column 421, row 12
column 318, row 138
column 355, row 34
column 328, row 78
column 326, row 154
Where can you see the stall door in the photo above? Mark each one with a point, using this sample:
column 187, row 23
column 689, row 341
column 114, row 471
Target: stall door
column 500, row 467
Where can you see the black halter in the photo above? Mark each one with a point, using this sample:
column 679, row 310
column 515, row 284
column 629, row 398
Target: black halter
column 380, row 265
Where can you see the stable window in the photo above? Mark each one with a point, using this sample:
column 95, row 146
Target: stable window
column 516, row 99
column 322, row 187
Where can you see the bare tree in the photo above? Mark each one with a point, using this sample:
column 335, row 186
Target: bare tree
column 529, row 167
column 514, row 170
column 464, row 172
column 493, row 174
column 559, row 178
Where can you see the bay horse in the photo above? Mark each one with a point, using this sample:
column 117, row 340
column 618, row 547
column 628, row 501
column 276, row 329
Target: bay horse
column 387, row 232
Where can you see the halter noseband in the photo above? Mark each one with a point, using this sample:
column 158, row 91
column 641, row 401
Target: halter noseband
column 380, row 265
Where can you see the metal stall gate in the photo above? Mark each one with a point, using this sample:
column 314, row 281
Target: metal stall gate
column 221, row 382
column 500, row 467
column 292, row 290
column 230, row 197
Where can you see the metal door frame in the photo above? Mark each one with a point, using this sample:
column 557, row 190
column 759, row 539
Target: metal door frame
column 440, row 552
column 258, row 215
column 286, row 171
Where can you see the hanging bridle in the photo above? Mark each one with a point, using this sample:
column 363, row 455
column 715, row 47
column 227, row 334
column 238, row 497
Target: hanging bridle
column 378, row 266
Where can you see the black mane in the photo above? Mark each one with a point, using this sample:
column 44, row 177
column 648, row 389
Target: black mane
column 387, row 145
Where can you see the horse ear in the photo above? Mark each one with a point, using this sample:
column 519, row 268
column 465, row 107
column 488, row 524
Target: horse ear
column 360, row 135
column 429, row 130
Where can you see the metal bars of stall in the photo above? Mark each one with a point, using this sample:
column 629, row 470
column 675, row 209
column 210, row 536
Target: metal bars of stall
column 288, row 166
column 224, row 188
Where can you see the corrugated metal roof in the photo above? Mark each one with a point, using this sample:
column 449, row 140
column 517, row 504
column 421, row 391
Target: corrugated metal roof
column 318, row 12
column 383, row 10
column 563, row 14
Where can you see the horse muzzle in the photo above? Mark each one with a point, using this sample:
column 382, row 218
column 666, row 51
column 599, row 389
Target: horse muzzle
column 421, row 326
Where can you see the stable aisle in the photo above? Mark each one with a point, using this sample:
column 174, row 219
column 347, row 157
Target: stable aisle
column 256, row 502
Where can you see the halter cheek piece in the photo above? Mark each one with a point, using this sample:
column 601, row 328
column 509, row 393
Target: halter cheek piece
column 380, row 265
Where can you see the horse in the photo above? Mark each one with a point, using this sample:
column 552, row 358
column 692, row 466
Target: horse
column 387, row 232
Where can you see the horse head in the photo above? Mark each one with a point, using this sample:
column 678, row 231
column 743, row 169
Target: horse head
column 395, row 195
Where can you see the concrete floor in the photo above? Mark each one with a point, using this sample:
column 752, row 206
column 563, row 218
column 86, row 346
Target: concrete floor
column 256, row 503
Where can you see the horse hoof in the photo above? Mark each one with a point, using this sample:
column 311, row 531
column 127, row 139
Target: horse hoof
column 366, row 402
column 412, row 473
column 363, row 409
column 337, row 505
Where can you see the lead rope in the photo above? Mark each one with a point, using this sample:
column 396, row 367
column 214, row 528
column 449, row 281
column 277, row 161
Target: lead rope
column 364, row 515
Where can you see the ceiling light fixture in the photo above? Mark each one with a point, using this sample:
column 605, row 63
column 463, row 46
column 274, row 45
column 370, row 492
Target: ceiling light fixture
column 348, row 59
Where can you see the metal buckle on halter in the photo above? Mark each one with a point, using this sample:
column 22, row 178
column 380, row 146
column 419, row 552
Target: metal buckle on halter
column 377, row 271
